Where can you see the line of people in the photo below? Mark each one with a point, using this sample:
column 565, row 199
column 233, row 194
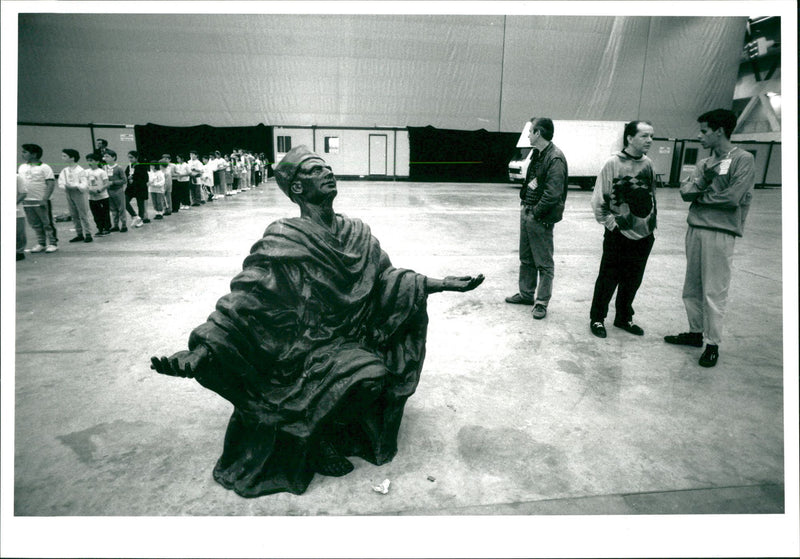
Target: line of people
column 108, row 192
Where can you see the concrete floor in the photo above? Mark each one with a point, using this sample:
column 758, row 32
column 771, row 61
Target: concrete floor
column 512, row 416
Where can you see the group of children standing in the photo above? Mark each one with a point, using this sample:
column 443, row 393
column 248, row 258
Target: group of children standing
column 108, row 191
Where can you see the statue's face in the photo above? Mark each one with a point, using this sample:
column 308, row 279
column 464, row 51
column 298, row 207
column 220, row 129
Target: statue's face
column 317, row 181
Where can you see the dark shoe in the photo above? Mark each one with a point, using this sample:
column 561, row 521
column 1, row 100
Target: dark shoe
column 195, row 204
column 114, row 229
column 694, row 339
column 710, row 356
column 598, row 329
column 100, row 234
column 158, row 216
column 77, row 239
column 629, row 327
column 539, row 311
column 20, row 256
column 169, row 213
column 518, row 299
column 123, row 230
column 88, row 239
column 145, row 220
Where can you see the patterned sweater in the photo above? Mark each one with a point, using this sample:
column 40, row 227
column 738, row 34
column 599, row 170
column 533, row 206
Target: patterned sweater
column 625, row 197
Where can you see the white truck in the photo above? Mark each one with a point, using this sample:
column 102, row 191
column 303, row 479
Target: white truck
column 586, row 145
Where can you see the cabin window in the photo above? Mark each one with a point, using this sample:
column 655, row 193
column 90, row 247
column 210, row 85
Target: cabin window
column 331, row 144
column 284, row 144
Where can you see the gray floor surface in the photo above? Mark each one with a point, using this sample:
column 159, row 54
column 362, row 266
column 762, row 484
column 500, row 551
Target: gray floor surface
column 512, row 416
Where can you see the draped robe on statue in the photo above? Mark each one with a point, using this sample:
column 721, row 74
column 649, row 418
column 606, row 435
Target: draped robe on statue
column 313, row 317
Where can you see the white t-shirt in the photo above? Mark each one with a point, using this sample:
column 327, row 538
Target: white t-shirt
column 97, row 180
column 35, row 177
column 208, row 173
column 196, row 165
column 181, row 172
column 156, row 181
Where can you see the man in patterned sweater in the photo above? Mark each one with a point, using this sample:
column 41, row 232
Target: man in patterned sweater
column 624, row 201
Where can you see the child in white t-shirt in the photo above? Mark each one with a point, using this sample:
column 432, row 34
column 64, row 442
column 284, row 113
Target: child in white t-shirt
column 97, row 181
column 156, row 181
column 207, row 179
column 39, row 182
column 72, row 179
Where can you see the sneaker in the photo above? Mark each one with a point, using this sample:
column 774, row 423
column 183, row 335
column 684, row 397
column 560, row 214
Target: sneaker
column 138, row 222
column 694, row 339
column 114, row 229
column 710, row 356
column 51, row 248
column 629, row 327
column 20, row 256
column 37, row 248
column 598, row 329
column 87, row 239
column 123, row 230
column 76, row 239
column 539, row 311
column 518, row 299
column 158, row 216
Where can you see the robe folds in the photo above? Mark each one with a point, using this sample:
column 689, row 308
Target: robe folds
column 314, row 317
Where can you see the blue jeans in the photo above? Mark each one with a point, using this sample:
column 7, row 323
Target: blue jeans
column 535, row 258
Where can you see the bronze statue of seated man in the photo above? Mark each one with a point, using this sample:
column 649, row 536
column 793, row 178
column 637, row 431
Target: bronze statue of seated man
column 318, row 345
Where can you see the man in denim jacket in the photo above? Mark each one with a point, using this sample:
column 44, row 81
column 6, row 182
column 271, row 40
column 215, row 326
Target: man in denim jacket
column 543, row 195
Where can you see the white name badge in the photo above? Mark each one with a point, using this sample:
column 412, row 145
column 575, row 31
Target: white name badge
column 724, row 165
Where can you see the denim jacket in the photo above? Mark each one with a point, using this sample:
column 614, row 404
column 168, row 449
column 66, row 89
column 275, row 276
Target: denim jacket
column 547, row 196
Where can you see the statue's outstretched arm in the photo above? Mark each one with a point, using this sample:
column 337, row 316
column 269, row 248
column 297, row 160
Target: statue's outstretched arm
column 183, row 363
column 454, row 283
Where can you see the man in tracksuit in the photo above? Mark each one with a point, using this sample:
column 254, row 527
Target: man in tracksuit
column 543, row 195
column 720, row 191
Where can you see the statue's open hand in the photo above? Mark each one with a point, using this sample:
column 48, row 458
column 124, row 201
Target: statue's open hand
column 181, row 364
column 462, row 283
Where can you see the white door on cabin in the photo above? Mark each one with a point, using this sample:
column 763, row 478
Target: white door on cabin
column 377, row 154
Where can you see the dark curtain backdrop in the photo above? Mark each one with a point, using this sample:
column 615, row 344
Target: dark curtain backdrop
column 153, row 140
column 460, row 155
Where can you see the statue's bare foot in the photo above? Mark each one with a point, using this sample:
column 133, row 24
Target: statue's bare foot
column 329, row 462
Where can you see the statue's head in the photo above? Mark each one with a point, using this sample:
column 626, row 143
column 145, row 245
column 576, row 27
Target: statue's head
column 304, row 174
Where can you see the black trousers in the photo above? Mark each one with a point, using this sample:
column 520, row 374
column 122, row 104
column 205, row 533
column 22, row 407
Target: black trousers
column 101, row 211
column 180, row 195
column 140, row 202
column 621, row 269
